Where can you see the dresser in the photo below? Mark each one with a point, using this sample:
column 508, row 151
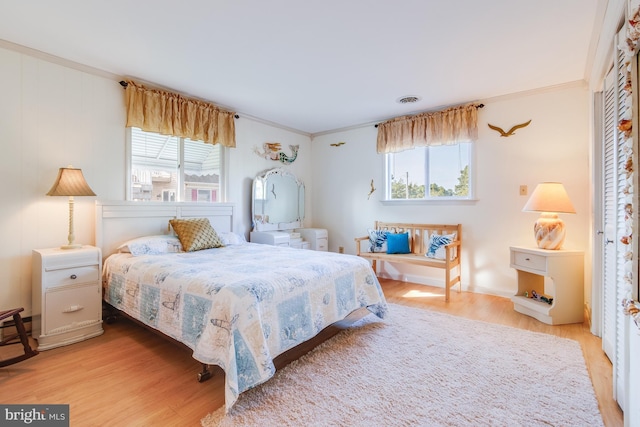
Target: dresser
column 300, row 238
column 66, row 295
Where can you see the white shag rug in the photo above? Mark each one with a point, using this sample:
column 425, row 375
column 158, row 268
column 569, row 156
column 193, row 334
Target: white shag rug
column 422, row 368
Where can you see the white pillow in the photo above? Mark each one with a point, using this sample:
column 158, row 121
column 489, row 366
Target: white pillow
column 152, row 245
column 437, row 243
column 230, row 238
column 377, row 240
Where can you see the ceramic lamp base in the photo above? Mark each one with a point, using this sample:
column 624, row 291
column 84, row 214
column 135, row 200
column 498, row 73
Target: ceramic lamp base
column 549, row 231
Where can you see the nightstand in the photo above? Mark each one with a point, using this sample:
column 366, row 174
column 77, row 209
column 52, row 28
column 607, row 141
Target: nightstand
column 556, row 273
column 66, row 296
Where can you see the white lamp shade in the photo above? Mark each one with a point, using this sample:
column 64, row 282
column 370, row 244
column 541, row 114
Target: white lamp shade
column 549, row 197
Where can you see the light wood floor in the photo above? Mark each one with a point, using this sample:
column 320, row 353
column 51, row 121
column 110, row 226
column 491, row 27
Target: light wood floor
column 131, row 377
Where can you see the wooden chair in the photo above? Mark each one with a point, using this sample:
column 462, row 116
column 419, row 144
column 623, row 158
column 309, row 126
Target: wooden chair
column 22, row 334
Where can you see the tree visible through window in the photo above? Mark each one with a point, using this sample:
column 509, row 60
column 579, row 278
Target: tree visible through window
column 445, row 170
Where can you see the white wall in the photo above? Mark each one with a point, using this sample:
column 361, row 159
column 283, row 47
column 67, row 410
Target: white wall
column 53, row 115
column 554, row 147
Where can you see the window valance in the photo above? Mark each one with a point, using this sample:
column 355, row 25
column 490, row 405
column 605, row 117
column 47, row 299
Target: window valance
column 446, row 127
column 172, row 114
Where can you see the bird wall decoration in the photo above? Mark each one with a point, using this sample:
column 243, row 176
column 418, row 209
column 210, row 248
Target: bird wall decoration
column 338, row 144
column 510, row 131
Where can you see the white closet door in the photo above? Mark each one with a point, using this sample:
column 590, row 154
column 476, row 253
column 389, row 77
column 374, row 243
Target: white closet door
column 608, row 228
column 613, row 337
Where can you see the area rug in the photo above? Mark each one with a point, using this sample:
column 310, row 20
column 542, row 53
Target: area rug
column 422, row 368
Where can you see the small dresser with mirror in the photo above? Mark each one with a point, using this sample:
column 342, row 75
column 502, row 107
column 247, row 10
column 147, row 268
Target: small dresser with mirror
column 277, row 209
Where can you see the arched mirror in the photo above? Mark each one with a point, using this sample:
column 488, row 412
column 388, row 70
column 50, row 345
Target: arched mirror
column 278, row 201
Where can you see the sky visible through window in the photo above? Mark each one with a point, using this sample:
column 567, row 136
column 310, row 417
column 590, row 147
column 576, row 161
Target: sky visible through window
column 445, row 164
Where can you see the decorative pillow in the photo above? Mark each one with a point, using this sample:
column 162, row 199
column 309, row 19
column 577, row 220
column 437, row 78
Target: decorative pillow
column 151, row 245
column 196, row 234
column 437, row 243
column 398, row 243
column 378, row 240
column 230, row 238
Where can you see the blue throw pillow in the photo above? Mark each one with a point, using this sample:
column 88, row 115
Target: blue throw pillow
column 398, row 243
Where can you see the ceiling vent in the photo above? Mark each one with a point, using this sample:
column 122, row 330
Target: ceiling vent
column 408, row 99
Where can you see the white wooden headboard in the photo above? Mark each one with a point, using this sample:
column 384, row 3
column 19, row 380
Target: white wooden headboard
column 119, row 221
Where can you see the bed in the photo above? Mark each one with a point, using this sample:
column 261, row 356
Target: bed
column 237, row 306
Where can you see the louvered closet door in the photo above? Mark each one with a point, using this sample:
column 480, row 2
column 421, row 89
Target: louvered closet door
column 608, row 229
column 613, row 338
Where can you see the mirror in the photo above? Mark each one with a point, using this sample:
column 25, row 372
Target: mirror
column 278, row 201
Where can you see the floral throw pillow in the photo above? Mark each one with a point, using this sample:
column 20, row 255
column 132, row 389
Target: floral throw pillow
column 437, row 243
column 377, row 240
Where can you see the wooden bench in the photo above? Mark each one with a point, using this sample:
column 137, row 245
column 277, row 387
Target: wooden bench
column 418, row 245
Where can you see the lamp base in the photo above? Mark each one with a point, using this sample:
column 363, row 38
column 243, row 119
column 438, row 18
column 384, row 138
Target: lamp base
column 549, row 231
column 74, row 246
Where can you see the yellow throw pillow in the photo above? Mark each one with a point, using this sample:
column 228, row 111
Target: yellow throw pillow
column 196, row 234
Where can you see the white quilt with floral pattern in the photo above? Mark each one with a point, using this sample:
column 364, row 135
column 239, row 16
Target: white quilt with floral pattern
column 240, row 306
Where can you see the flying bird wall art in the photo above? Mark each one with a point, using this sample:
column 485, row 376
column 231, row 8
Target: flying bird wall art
column 338, row 144
column 510, row 131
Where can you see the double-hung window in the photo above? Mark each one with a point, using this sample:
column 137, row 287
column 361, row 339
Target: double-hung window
column 167, row 168
column 435, row 172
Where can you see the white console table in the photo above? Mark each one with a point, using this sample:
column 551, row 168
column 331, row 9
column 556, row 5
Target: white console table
column 558, row 274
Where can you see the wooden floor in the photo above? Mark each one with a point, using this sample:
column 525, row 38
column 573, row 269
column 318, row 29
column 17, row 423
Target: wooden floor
column 131, row 377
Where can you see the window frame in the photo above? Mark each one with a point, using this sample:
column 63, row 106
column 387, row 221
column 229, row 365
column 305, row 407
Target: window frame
column 448, row 200
column 224, row 159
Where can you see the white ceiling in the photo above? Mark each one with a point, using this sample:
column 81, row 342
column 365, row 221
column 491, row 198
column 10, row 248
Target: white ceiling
column 315, row 66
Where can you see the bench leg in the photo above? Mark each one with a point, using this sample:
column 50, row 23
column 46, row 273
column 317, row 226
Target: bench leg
column 447, row 285
column 373, row 265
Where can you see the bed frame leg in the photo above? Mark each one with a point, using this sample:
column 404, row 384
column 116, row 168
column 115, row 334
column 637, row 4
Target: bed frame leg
column 205, row 374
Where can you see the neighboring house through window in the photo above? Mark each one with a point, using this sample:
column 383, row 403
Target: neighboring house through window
column 167, row 168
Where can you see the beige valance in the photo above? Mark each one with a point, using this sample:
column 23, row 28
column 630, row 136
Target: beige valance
column 447, row 127
column 172, row 114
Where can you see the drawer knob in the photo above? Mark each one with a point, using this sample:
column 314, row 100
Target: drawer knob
column 527, row 259
column 73, row 276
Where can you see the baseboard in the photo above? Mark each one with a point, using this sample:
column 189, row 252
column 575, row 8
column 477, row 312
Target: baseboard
column 439, row 283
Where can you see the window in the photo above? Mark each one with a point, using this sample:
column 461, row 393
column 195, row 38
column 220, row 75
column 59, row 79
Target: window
column 435, row 172
column 167, row 168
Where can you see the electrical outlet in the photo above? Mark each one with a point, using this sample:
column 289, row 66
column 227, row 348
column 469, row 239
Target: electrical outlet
column 523, row 190
column 341, row 249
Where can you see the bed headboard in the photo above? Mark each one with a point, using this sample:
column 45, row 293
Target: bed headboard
column 117, row 222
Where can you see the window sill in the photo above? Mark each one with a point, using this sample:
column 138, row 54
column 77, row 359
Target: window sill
column 416, row 202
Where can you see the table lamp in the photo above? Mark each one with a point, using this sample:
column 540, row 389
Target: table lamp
column 70, row 182
column 549, row 198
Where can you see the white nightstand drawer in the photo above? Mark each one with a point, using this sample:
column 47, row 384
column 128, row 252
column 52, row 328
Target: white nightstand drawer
column 530, row 261
column 70, row 276
column 322, row 245
column 70, row 308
